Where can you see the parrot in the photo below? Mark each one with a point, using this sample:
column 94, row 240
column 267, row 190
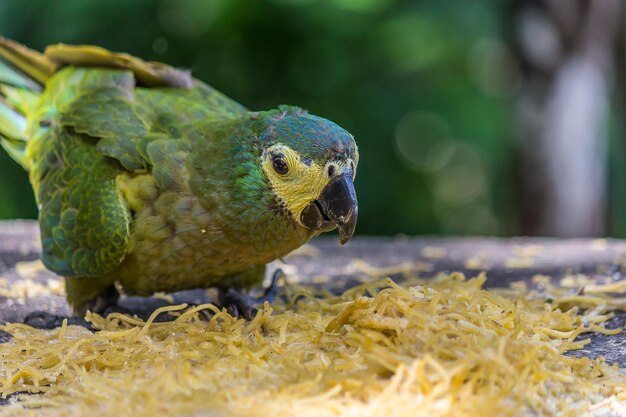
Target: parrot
column 149, row 180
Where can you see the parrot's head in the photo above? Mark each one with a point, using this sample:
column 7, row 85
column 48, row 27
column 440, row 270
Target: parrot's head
column 310, row 164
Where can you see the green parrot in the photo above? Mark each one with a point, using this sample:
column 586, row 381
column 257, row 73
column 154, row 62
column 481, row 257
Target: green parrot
column 150, row 180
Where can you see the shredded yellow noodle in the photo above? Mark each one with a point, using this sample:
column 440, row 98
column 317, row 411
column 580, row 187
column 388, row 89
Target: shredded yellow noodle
column 440, row 347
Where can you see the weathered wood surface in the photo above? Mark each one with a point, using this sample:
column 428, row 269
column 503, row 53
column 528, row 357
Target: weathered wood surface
column 505, row 260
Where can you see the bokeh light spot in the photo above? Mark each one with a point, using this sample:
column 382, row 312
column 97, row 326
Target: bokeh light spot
column 493, row 67
column 424, row 140
column 362, row 6
column 160, row 45
column 189, row 18
column 294, row 2
column 413, row 42
column 460, row 184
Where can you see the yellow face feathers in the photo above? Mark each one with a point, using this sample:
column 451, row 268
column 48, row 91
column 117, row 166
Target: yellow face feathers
column 298, row 181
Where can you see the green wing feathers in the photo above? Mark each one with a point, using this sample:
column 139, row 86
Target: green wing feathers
column 85, row 225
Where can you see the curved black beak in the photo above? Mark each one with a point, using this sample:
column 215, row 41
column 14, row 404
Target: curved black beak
column 336, row 206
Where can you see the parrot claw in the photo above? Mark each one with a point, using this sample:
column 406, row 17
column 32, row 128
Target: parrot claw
column 237, row 304
column 104, row 311
column 271, row 292
column 242, row 305
column 47, row 321
column 106, row 302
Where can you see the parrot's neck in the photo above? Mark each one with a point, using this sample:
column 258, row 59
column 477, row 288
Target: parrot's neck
column 228, row 179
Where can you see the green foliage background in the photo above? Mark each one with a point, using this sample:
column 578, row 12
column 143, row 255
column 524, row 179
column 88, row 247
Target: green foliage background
column 426, row 87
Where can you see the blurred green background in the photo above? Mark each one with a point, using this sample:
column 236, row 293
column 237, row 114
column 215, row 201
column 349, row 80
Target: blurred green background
column 430, row 89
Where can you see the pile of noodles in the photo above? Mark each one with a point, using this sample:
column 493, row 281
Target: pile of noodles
column 440, row 347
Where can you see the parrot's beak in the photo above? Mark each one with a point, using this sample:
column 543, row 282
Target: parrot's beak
column 336, row 206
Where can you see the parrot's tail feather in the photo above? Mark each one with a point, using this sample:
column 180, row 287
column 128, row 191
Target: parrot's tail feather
column 31, row 68
column 22, row 75
column 149, row 74
column 12, row 132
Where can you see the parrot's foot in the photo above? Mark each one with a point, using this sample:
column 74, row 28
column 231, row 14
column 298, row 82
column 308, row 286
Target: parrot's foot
column 107, row 303
column 271, row 292
column 47, row 321
column 239, row 304
column 115, row 308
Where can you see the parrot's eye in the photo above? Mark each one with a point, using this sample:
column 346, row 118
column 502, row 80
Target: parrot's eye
column 279, row 165
column 331, row 170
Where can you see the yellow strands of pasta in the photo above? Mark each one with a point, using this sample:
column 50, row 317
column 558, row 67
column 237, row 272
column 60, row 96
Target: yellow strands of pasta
column 442, row 347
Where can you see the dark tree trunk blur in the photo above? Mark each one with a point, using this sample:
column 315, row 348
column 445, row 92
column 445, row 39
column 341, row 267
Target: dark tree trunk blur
column 567, row 50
